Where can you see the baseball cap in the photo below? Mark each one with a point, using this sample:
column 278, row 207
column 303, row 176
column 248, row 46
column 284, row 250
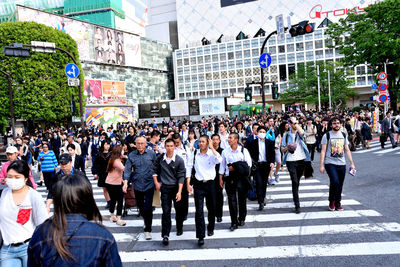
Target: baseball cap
column 11, row 150
column 96, row 134
column 65, row 158
column 70, row 134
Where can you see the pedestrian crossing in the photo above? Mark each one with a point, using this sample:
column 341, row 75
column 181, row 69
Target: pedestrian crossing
column 274, row 233
column 375, row 148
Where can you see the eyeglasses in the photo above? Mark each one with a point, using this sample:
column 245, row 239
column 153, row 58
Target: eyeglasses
column 334, row 123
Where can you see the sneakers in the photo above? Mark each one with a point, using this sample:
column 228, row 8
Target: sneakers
column 121, row 222
column 113, row 218
column 332, row 206
column 339, row 207
column 277, row 178
column 147, row 235
column 271, row 182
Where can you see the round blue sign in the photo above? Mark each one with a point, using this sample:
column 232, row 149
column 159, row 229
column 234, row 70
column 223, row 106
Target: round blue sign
column 383, row 98
column 265, row 60
column 382, row 87
column 374, row 86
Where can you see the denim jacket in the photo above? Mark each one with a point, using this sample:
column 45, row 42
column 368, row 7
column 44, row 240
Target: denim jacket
column 291, row 141
column 91, row 245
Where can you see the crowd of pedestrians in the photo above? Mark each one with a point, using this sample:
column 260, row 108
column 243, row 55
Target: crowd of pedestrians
column 170, row 160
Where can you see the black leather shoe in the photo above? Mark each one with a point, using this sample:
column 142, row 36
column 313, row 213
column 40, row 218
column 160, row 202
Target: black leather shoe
column 219, row 219
column 165, row 241
column 233, row 227
column 210, row 233
column 179, row 232
column 200, row 242
column 260, row 207
column 241, row 223
column 297, row 210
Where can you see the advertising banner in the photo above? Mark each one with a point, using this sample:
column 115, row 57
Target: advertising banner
column 109, row 46
column 194, row 108
column 108, row 115
column 93, row 92
column 179, row 108
column 78, row 30
column 212, row 106
column 132, row 45
column 105, row 92
column 154, row 110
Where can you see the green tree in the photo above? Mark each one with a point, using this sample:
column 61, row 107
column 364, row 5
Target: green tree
column 303, row 85
column 40, row 86
column 374, row 38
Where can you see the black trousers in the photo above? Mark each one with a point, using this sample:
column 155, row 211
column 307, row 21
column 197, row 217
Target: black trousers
column 144, row 201
column 183, row 204
column 116, row 198
column 48, row 178
column 204, row 191
column 219, row 198
column 296, row 170
column 261, row 178
column 237, row 195
column 311, row 149
column 168, row 196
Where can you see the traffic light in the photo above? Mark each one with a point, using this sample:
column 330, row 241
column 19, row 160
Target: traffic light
column 248, row 94
column 275, row 93
column 17, row 50
column 302, row 28
column 73, row 106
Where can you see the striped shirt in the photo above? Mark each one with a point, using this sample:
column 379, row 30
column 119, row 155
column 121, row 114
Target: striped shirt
column 48, row 161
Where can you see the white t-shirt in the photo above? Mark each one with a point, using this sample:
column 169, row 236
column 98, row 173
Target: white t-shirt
column 298, row 153
column 17, row 223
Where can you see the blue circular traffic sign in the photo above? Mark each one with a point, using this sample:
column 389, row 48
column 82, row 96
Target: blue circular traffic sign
column 382, row 87
column 72, row 70
column 382, row 76
column 374, row 86
column 265, row 60
column 383, row 98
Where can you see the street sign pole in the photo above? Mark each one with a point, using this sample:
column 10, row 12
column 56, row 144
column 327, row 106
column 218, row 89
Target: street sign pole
column 329, row 88
column 319, row 91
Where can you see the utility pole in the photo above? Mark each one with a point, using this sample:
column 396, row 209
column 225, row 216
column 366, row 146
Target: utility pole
column 319, row 90
column 329, row 88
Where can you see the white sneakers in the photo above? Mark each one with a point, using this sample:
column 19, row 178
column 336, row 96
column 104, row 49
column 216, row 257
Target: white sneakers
column 147, row 235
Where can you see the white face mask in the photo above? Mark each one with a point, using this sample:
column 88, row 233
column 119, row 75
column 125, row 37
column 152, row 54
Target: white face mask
column 261, row 135
column 15, row 184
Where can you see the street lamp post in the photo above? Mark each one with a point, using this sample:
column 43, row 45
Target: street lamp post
column 10, row 92
column 329, row 90
column 319, row 90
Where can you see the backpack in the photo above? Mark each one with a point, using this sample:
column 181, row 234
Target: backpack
column 328, row 136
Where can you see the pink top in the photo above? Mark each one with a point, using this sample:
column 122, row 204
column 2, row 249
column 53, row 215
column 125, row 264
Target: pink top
column 114, row 177
column 3, row 174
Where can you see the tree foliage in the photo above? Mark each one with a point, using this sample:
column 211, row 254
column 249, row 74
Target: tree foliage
column 374, row 38
column 303, row 85
column 40, row 86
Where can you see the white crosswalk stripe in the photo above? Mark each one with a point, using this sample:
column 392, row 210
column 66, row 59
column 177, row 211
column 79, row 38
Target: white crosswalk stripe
column 276, row 221
column 376, row 149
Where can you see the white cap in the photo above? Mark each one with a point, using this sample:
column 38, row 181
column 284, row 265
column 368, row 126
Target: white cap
column 11, row 150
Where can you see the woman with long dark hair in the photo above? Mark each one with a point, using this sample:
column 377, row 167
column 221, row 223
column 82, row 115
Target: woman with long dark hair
column 22, row 209
column 100, row 167
column 74, row 235
column 115, row 170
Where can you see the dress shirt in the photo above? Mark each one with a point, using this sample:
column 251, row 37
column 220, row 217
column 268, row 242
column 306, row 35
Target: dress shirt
column 204, row 165
column 224, row 141
column 261, row 150
column 182, row 152
column 230, row 156
column 143, row 169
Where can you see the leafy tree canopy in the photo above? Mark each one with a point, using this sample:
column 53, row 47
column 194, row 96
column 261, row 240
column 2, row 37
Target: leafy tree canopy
column 40, row 86
column 372, row 37
column 303, row 85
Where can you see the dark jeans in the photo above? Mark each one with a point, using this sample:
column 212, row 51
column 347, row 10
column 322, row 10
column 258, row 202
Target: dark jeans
column 237, row 196
column 318, row 144
column 311, row 149
column 336, row 175
column 204, row 190
column 261, row 178
column 48, row 178
column 219, row 198
column 296, row 170
column 183, row 205
column 144, row 201
column 116, row 198
column 168, row 195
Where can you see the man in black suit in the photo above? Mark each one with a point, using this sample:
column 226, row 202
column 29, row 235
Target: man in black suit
column 387, row 130
column 262, row 152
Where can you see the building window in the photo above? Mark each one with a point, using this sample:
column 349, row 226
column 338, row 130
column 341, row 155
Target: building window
column 247, row 63
column 200, row 60
column 222, row 57
column 223, row 65
column 193, row 61
column 179, row 62
column 192, row 52
column 180, row 71
column 318, row 34
column 246, row 54
column 290, row 47
column 238, row 54
column 187, row 70
column 289, row 38
column 208, row 67
column 300, row 56
column 238, row 45
column 224, row 83
column 194, row 78
column 254, row 43
column 222, row 48
column 182, row 95
column 188, row 87
column 300, row 47
column 246, row 44
column 255, row 62
column 215, row 67
column 209, row 93
column 185, row 53
column 232, row 82
column 291, row 69
column 207, row 50
column 231, row 65
column 360, row 70
column 361, row 81
column 329, row 52
column 208, row 76
column 209, row 85
column 272, row 50
column 178, row 54
column 181, row 88
column 309, row 45
column 290, row 57
column 201, row 86
column 272, row 41
column 207, row 59
column 215, row 75
column 194, row 69
column 282, row 58
column 186, row 61
column 187, row 78
column 217, row 84
column 188, row 95
column 180, row 79
column 318, row 44
column 202, row 94
column 230, row 47
column 215, row 58
column 328, row 42
column 195, row 87
column 231, row 55
column 200, row 68
column 281, row 49
column 282, row 73
column 319, row 54
column 255, row 52
column 310, row 55
column 214, row 49
column 199, row 51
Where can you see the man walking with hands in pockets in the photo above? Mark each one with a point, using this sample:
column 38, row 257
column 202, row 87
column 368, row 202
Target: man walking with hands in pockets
column 201, row 172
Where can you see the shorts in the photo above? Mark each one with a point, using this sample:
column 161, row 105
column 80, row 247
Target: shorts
column 277, row 155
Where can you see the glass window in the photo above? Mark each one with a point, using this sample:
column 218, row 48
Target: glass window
column 180, row 71
column 328, row 42
column 300, row 56
column 192, row 52
column 181, row 88
column 308, row 36
column 200, row 51
column 200, row 68
column 232, row 82
column 194, row 78
column 300, row 47
column 290, row 47
column 273, row 60
column 299, row 38
column 223, row 65
column 193, row 61
column 247, row 63
column 208, row 67
column 215, row 66
column 329, row 52
column 185, row 53
column 180, row 79
column 222, row 48
column 361, row 81
column 239, row 63
column 179, row 62
column 195, row 87
column 222, row 57
column 224, row 83
column 318, row 44
column 255, row 52
column 194, row 69
column 281, row 49
column 282, row 58
column 231, row 65
column 231, row 55
column 360, row 70
column 337, row 53
column 230, row 47
column 186, row 61
column 282, row 73
column 207, row 59
column 254, row 43
column 318, row 34
column 214, row 49
column 289, row 38
column 262, row 39
column 272, row 41
column 215, row 58
column 179, row 54
column 290, row 57
column 319, row 54
column 291, row 69
column 255, row 61
column 217, row 84
column 246, row 54
column 209, row 93
column 246, row 44
column 187, row 78
column 201, row 86
column 272, row 50
column 187, row 70
column 238, row 45
column 209, row 85
column 200, row 60
column 310, row 55
column 238, row 54
column 207, row 50
column 309, row 45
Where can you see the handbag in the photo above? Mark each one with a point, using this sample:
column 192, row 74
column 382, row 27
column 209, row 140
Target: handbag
column 156, row 198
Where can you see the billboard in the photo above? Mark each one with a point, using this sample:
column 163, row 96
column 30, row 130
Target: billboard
column 154, row 110
column 108, row 115
column 194, row 108
column 109, row 46
column 212, row 106
column 179, row 108
column 78, row 30
column 105, row 92
column 225, row 3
